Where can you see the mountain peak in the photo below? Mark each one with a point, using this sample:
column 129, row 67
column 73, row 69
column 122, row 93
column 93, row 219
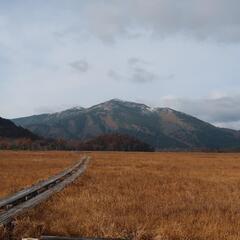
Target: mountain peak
column 128, row 103
column 113, row 103
column 116, row 100
column 163, row 128
column 77, row 108
column 166, row 110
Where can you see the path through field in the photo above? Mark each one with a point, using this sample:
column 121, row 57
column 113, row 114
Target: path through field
column 146, row 196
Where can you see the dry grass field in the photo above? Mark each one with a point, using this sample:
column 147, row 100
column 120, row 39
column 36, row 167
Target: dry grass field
column 161, row 196
column 21, row 169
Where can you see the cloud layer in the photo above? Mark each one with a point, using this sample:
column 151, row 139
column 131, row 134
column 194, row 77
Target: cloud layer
column 56, row 53
column 203, row 19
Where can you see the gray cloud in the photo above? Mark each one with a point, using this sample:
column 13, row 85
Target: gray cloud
column 135, row 61
column 138, row 71
column 105, row 19
column 141, row 75
column 137, row 75
column 115, row 75
column 80, row 65
column 203, row 19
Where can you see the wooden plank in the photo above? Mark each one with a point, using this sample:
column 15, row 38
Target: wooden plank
column 7, row 216
column 27, row 191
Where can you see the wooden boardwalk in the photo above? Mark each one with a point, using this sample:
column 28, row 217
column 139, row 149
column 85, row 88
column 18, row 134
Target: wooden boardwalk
column 16, row 204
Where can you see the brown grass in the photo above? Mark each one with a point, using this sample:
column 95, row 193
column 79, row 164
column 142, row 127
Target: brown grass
column 21, row 169
column 162, row 196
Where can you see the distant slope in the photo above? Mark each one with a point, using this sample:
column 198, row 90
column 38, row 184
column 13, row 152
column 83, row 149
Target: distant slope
column 9, row 130
column 162, row 128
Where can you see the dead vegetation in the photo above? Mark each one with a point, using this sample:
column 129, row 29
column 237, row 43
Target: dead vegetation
column 162, row 196
column 21, row 169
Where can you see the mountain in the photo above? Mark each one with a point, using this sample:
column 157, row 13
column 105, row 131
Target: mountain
column 9, row 130
column 163, row 128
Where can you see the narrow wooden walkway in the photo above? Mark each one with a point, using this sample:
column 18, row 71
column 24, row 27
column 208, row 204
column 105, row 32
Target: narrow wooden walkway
column 16, row 204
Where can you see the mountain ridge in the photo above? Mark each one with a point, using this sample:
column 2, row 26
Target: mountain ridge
column 9, row 130
column 163, row 128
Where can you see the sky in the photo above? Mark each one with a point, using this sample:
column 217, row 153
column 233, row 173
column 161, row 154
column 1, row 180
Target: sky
column 57, row 54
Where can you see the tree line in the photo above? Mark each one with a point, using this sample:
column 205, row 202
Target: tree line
column 110, row 142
